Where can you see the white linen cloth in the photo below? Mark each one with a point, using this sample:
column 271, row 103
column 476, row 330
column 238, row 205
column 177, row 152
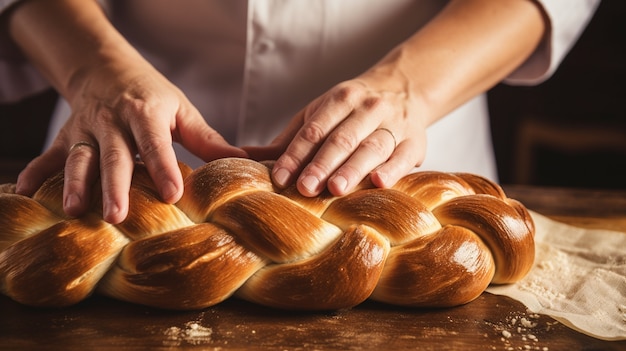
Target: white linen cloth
column 579, row 278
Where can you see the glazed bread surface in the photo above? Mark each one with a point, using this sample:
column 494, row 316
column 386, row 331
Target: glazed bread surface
column 433, row 240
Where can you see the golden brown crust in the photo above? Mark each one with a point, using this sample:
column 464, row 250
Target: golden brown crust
column 21, row 217
column 482, row 185
column 7, row 188
column 433, row 188
column 50, row 194
column 189, row 268
column 396, row 215
column 62, row 264
column 500, row 226
column 450, row 268
column 216, row 182
column 342, row 276
column 433, row 240
column 274, row 227
column 148, row 215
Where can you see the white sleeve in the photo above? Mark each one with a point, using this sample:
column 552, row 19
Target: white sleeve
column 18, row 78
column 567, row 19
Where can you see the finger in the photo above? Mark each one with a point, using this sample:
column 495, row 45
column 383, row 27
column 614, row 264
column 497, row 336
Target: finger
column 373, row 151
column 40, row 169
column 81, row 171
column 340, row 145
column 154, row 146
column 203, row 141
column 152, row 128
column 318, row 123
column 409, row 154
column 116, row 169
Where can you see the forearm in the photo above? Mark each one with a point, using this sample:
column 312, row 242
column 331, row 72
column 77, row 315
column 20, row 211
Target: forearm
column 469, row 47
column 65, row 38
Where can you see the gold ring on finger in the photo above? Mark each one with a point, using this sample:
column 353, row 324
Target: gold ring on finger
column 395, row 143
column 82, row 143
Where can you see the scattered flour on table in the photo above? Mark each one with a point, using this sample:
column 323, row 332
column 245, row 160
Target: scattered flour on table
column 192, row 333
column 517, row 332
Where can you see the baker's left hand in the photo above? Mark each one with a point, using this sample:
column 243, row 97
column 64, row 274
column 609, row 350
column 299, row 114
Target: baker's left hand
column 367, row 126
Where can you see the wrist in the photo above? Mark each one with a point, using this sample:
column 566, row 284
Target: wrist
column 395, row 74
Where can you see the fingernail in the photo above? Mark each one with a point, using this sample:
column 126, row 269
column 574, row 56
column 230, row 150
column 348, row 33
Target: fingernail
column 112, row 213
column 72, row 202
column 310, row 183
column 281, row 177
column 380, row 179
column 383, row 177
column 169, row 191
column 340, row 183
column 23, row 188
column 20, row 188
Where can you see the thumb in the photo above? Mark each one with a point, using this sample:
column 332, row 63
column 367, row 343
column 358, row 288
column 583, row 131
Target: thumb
column 199, row 138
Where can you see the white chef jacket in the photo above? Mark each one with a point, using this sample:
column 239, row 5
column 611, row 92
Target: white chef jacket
column 249, row 66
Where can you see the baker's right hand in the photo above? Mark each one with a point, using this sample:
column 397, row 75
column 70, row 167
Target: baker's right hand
column 120, row 111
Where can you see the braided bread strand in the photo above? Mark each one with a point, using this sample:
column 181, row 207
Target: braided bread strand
column 433, row 240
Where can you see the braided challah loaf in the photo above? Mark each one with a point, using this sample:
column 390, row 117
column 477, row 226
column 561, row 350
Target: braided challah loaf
column 434, row 240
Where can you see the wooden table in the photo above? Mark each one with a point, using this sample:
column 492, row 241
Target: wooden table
column 488, row 323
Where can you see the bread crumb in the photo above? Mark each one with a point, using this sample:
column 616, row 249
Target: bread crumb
column 518, row 331
column 528, row 324
column 193, row 333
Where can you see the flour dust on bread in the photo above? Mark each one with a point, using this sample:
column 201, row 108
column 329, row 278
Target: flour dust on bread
column 433, row 240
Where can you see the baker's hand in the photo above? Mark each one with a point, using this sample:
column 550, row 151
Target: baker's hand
column 120, row 112
column 360, row 127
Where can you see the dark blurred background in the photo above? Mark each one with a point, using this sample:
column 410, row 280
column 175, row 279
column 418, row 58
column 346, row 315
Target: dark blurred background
column 568, row 132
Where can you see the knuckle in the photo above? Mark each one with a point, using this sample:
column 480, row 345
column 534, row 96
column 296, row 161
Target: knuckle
column 345, row 141
column 133, row 107
column 345, row 92
column 72, row 181
column 350, row 172
column 372, row 102
column 313, row 133
column 102, row 116
column 288, row 161
column 375, row 146
column 151, row 147
column 80, row 155
column 112, row 157
column 318, row 168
